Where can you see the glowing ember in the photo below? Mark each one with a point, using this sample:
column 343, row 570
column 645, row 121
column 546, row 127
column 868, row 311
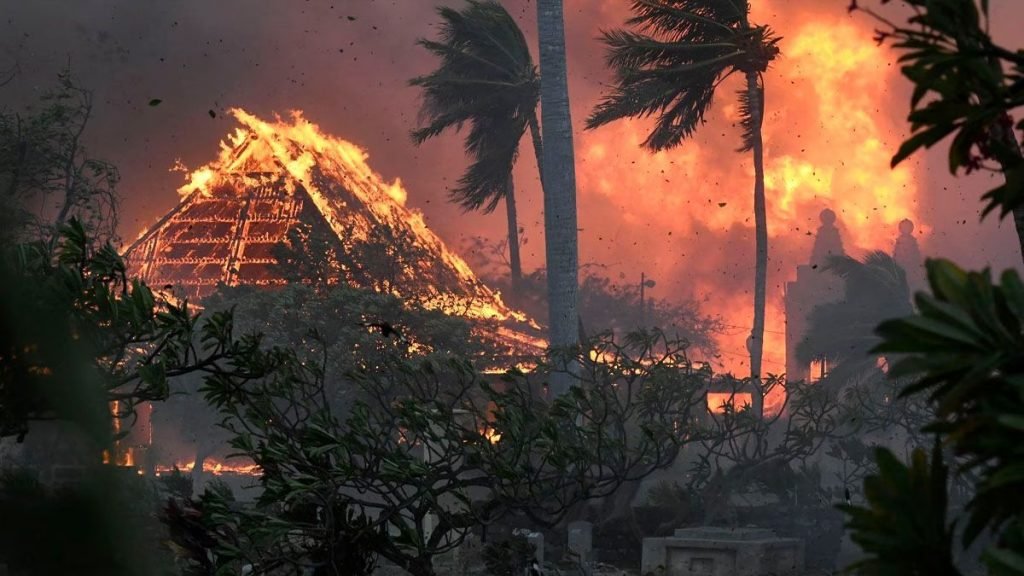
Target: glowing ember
column 492, row 435
column 719, row 401
column 213, row 466
column 119, row 456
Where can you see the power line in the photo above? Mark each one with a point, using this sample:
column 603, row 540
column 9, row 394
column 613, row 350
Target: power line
column 751, row 327
column 747, row 356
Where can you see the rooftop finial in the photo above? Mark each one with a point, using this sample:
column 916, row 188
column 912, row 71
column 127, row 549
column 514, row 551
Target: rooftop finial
column 827, row 217
column 906, row 227
column 827, row 243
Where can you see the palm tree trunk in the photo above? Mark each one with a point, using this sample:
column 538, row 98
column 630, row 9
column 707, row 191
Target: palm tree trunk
column 538, row 150
column 538, row 146
column 515, row 266
column 558, row 171
column 756, row 93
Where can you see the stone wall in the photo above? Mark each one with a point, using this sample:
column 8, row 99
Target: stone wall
column 723, row 552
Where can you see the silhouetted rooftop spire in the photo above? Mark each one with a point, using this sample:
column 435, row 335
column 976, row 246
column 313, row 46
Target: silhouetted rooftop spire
column 827, row 242
column 907, row 254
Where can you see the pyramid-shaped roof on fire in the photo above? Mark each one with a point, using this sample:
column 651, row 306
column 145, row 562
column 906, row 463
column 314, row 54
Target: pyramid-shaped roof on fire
column 272, row 179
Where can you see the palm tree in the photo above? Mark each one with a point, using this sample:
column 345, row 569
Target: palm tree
column 487, row 79
column 671, row 66
column 559, row 179
column 843, row 332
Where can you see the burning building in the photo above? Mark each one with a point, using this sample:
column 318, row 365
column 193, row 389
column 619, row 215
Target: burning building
column 285, row 203
column 272, row 177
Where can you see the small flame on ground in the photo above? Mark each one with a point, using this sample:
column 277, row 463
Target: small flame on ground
column 719, row 401
column 213, row 466
column 492, row 435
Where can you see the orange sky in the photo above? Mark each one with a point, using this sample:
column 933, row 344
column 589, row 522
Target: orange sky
column 835, row 108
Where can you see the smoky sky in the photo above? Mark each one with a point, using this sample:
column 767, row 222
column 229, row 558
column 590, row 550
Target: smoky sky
column 346, row 65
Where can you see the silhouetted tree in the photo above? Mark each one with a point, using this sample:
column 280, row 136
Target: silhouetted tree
column 672, row 67
column 76, row 334
column 842, row 333
column 432, row 449
column 488, row 80
column 43, row 163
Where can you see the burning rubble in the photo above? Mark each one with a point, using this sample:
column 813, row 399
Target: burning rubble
column 283, row 203
column 274, row 186
column 269, row 178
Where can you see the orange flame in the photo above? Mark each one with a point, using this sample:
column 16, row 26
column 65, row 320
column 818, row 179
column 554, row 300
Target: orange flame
column 213, row 466
column 492, row 435
column 719, row 401
column 828, row 141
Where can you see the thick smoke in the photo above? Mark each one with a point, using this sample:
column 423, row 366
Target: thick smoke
column 682, row 217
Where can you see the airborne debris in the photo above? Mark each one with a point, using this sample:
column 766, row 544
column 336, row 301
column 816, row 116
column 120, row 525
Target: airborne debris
column 385, row 328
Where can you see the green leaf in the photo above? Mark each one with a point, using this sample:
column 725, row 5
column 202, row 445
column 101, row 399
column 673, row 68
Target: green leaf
column 947, row 281
column 925, row 139
column 155, row 377
column 1013, row 474
column 1008, row 196
column 942, row 330
column 1015, row 421
column 1009, row 560
column 1013, row 291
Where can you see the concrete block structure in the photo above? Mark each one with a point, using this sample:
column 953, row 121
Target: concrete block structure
column 710, row 551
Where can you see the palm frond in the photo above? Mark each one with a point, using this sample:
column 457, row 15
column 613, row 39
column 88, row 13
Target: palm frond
column 843, row 332
column 486, row 79
column 494, row 146
column 877, row 277
column 671, row 66
column 680, row 112
column 629, row 50
column 696, row 19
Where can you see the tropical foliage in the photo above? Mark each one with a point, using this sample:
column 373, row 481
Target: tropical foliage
column 46, row 174
column 78, row 334
column 672, row 66
column 963, row 348
column 432, row 450
column 965, row 85
column 963, row 345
